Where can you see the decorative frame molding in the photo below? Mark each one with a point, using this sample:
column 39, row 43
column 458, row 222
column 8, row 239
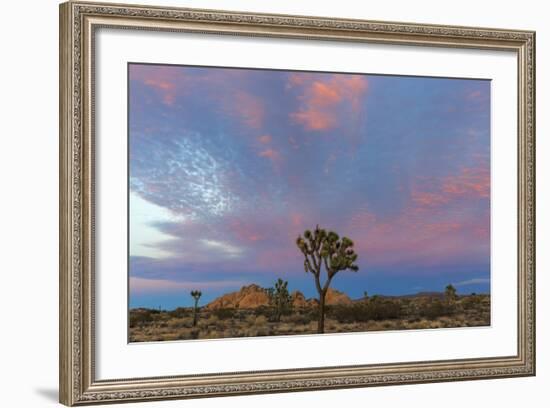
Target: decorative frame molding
column 78, row 22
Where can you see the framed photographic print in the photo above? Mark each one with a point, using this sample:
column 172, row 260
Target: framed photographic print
column 240, row 193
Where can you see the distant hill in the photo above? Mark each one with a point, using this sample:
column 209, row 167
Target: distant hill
column 253, row 296
column 413, row 295
column 440, row 295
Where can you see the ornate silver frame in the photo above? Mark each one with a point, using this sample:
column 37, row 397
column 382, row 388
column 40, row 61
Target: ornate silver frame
column 78, row 22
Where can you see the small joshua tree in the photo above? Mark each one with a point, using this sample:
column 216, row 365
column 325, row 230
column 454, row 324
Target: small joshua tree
column 450, row 295
column 279, row 298
column 325, row 249
column 196, row 295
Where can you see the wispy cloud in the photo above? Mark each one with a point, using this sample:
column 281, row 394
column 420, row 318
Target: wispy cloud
column 475, row 281
column 143, row 285
column 223, row 247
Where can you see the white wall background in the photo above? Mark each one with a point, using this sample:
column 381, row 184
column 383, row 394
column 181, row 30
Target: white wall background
column 28, row 207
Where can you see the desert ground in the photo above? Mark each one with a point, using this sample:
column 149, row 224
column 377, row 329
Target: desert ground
column 247, row 313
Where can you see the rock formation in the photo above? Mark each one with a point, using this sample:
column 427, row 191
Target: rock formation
column 248, row 297
column 253, row 296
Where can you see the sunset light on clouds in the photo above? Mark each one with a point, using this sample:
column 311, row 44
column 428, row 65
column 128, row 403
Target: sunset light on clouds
column 228, row 166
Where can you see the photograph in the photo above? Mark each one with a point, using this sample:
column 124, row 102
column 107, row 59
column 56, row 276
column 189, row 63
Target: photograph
column 267, row 202
column 261, row 202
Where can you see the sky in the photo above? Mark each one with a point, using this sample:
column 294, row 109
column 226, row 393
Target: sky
column 228, row 166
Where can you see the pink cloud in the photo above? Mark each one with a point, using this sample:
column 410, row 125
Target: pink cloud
column 169, row 99
column 265, row 139
column 270, row 154
column 470, row 182
column 432, row 228
column 314, row 119
column 246, row 232
column 477, row 100
column 281, row 257
column 414, row 239
column 428, row 199
column 274, row 156
column 474, row 95
column 298, row 78
column 321, row 98
column 249, row 108
column 443, row 227
column 160, row 84
column 171, row 82
column 324, row 94
column 481, row 232
column 352, row 88
column 362, row 219
column 297, row 219
column 163, row 79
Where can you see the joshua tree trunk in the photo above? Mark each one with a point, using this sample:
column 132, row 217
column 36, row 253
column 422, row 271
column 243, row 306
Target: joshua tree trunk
column 196, row 294
column 322, row 290
column 195, row 312
column 321, row 322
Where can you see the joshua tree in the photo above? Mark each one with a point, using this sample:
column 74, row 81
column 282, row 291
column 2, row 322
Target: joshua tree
column 196, row 295
column 450, row 294
column 279, row 298
column 322, row 248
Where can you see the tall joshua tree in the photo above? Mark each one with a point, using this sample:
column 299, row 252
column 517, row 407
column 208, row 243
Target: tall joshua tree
column 196, row 295
column 328, row 250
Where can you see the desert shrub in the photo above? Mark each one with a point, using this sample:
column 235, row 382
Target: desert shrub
column 301, row 318
column 224, row 314
column 272, row 313
column 175, row 323
column 384, row 309
column 183, row 336
column 379, row 309
column 265, row 311
column 260, row 320
column 471, row 302
column 436, row 308
column 345, row 314
column 209, row 320
column 137, row 320
column 264, row 331
column 179, row 312
column 311, row 314
column 141, row 317
column 411, row 309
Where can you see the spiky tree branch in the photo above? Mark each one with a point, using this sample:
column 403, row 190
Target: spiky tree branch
column 321, row 248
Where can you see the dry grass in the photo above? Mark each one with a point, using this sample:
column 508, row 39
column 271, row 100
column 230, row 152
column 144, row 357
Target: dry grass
column 421, row 313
